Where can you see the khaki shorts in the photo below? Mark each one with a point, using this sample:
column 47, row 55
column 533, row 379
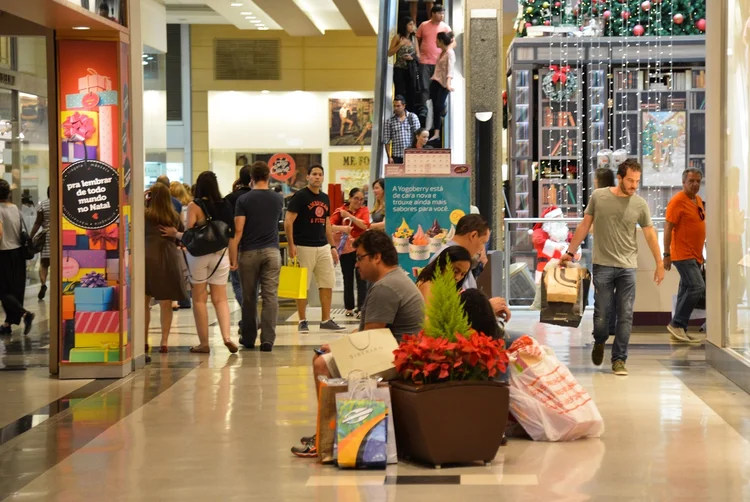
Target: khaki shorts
column 333, row 369
column 319, row 263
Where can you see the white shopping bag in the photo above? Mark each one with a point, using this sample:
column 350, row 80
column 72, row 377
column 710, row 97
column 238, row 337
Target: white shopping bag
column 369, row 351
column 546, row 399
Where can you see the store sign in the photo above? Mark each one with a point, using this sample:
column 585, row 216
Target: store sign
column 282, row 166
column 90, row 194
column 7, row 79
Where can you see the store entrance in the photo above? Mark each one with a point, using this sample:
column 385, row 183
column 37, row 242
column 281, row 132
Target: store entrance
column 25, row 165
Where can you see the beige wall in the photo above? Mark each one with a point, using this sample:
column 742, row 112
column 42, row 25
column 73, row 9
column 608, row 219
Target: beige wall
column 337, row 61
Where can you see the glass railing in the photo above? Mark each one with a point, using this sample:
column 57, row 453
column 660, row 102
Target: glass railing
column 520, row 257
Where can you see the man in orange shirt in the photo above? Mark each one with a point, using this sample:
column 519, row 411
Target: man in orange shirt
column 684, row 238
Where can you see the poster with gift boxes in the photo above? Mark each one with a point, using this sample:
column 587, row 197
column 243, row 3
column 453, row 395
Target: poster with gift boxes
column 93, row 268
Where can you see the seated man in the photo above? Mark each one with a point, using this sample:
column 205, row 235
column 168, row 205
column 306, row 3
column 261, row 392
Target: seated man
column 472, row 234
column 393, row 302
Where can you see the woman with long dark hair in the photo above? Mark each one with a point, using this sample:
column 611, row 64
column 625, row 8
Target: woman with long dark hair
column 351, row 220
column 12, row 265
column 458, row 258
column 406, row 66
column 164, row 281
column 378, row 210
column 441, row 84
column 212, row 269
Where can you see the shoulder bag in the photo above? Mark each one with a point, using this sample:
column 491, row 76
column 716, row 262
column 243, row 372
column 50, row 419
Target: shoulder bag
column 28, row 245
column 211, row 237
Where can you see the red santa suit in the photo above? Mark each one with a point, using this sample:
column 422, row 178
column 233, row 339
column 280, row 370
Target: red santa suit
column 550, row 239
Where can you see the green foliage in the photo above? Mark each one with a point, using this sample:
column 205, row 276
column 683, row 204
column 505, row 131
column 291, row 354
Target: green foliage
column 445, row 315
column 657, row 20
column 647, row 138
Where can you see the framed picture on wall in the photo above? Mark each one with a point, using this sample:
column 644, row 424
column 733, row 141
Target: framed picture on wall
column 350, row 121
column 663, row 147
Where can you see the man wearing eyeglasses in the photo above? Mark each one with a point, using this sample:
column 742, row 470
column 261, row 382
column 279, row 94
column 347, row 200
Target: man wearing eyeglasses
column 684, row 238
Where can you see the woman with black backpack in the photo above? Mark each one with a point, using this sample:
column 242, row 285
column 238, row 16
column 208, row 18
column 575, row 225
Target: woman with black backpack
column 12, row 264
column 210, row 225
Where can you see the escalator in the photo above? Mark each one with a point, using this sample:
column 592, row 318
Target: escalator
column 453, row 132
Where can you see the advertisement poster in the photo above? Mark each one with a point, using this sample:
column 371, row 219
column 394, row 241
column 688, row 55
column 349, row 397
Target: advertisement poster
column 422, row 211
column 663, row 142
column 350, row 121
column 91, row 175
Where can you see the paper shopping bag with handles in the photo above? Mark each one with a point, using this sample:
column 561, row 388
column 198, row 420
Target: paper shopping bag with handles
column 369, row 351
column 564, row 313
column 562, row 284
column 361, row 431
column 293, row 281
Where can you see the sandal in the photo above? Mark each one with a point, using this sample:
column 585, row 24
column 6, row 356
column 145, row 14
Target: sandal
column 200, row 350
column 349, row 313
column 231, row 346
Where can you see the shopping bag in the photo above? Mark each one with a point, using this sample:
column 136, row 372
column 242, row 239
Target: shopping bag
column 546, row 399
column 293, row 281
column 361, row 432
column 561, row 284
column 563, row 313
column 537, row 304
column 369, row 351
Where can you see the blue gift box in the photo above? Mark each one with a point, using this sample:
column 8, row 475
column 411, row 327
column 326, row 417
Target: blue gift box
column 82, row 242
column 94, row 299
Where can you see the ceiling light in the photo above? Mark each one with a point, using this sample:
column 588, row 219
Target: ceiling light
column 145, row 55
column 250, row 17
column 262, row 28
column 265, row 91
column 256, row 21
column 246, row 13
column 81, row 28
column 236, row 4
column 145, row 63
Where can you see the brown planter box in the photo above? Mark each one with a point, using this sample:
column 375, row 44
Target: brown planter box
column 449, row 423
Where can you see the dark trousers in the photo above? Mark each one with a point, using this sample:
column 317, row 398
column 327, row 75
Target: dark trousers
column 259, row 267
column 617, row 283
column 351, row 274
column 12, row 284
column 439, row 97
column 692, row 288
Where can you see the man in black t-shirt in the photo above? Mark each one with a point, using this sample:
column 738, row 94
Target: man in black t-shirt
column 308, row 232
column 259, row 262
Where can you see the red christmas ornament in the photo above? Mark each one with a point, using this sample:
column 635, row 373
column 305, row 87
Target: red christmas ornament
column 547, row 23
column 593, row 2
column 529, row 25
column 646, row 6
column 701, row 24
column 678, row 18
column 625, row 14
column 594, row 10
column 638, row 30
column 557, row 4
column 607, row 14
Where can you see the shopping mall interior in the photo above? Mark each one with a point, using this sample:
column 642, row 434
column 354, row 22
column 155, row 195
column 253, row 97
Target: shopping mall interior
column 520, row 105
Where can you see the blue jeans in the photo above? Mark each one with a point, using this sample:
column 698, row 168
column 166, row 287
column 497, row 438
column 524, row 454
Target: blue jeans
column 234, row 275
column 617, row 283
column 692, row 288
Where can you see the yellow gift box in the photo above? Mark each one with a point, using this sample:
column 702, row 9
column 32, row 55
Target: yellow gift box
column 66, row 225
column 99, row 340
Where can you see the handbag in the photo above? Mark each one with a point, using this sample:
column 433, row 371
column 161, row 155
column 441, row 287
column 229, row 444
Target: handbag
column 27, row 243
column 561, row 313
column 293, row 281
column 211, row 237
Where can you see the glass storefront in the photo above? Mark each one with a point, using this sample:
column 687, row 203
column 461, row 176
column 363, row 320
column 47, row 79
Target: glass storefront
column 736, row 186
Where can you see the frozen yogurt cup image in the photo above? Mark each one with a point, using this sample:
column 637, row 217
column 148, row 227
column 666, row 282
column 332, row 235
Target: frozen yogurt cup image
column 437, row 237
column 451, row 234
column 401, row 237
column 419, row 248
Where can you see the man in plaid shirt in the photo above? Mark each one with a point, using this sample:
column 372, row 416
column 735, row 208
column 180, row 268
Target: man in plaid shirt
column 399, row 131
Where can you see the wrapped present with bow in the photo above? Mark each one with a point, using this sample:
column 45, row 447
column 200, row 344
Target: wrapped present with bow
column 80, row 126
column 90, row 297
column 105, row 238
column 93, row 82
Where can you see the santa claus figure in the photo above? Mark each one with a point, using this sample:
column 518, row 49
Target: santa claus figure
column 550, row 239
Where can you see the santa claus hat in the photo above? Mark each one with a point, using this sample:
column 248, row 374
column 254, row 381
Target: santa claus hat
column 549, row 213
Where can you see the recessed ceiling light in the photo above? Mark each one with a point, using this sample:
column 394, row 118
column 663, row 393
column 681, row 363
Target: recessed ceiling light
column 145, row 55
column 145, row 63
column 250, row 17
column 236, row 4
column 81, row 28
column 265, row 91
column 256, row 21
column 246, row 13
column 262, row 28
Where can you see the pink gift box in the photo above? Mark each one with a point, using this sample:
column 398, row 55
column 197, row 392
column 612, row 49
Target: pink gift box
column 93, row 82
column 69, row 238
column 98, row 322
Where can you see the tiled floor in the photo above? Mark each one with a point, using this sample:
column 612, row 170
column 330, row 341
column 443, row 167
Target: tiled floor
column 219, row 427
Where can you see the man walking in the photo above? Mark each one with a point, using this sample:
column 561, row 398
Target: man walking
column 256, row 234
column 399, row 131
column 308, row 231
column 429, row 52
column 684, row 238
column 614, row 213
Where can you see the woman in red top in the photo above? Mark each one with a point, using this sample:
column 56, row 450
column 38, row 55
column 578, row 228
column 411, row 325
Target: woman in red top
column 351, row 220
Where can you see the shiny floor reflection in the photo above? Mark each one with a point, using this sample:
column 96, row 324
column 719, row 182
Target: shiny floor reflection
column 219, row 427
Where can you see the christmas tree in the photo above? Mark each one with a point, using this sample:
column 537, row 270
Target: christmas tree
column 444, row 314
column 647, row 138
column 646, row 17
column 618, row 17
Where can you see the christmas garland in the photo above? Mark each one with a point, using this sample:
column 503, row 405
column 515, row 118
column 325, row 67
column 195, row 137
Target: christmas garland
column 560, row 84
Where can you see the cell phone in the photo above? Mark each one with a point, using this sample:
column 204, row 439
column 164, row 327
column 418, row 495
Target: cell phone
column 320, row 352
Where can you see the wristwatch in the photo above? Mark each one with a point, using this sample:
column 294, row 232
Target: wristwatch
column 570, row 254
column 666, row 255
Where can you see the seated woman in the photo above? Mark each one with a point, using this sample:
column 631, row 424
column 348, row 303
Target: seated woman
column 460, row 261
column 482, row 317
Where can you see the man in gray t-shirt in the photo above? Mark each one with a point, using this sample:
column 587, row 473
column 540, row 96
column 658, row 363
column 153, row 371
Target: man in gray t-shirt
column 614, row 213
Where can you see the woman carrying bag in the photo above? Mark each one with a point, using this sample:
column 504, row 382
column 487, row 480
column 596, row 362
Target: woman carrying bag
column 12, row 264
column 348, row 222
column 209, row 215
column 405, row 47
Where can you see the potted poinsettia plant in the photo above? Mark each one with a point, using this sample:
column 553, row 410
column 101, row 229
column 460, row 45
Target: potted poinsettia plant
column 448, row 376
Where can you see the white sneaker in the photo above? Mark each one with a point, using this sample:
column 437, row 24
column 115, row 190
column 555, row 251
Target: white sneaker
column 677, row 334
